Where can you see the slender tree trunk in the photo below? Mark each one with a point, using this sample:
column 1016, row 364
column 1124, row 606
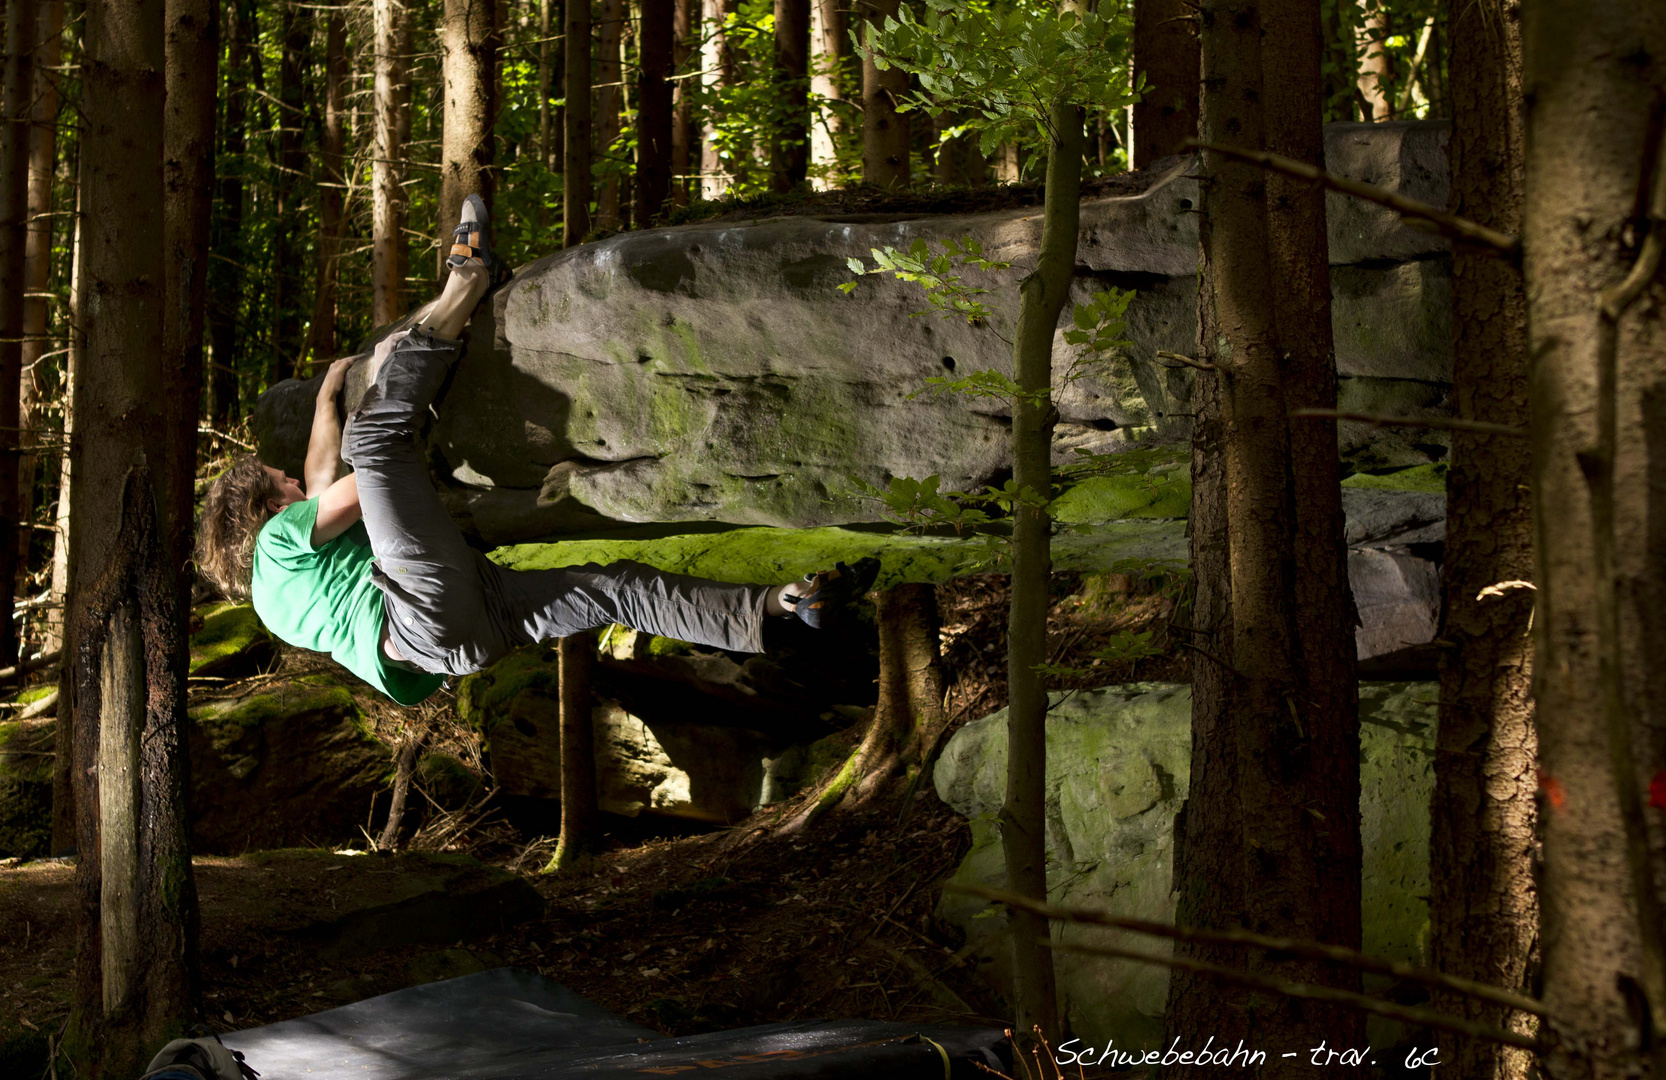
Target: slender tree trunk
column 1594, row 78
column 580, row 817
column 14, row 212
column 331, row 187
column 468, row 46
column 576, row 151
column 388, row 168
column 37, row 263
column 884, row 129
column 789, row 157
column 609, row 100
column 685, row 134
column 546, row 152
column 136, row 972
column 193, row 32
column 1376, row 67
column 718, row 63
column 65, row 833
column 1270, row 833
column 653, row 118
column 1483, row 906
column 1166, row 53
column 829, row 44
column 410, row 751
column 226, row 274
column 288, row 346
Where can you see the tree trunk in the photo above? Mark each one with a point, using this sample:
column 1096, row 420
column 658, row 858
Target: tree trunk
column 718, row 64
column 575, row 190
column 685, row 134
column 829, row 44
column 1269, row 838
column 193, row 32
column 580, row 816
column 37, row 263
column 1594, row 77
column 388, row 168
column 468, row 49
column 610, row 101
column 1376, row 67
column 64, row 829
column 546, row 149
column 289, row 157
column 14, row 212
column 226, row 274
column 136, row 972
column 1166, row 53
column 653, row 118
column 789, row 156
column 884, row 129
column 405, row 763
column 1483, row 907
column 331, row 188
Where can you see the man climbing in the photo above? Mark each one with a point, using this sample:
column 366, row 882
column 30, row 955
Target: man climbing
column 372, row 570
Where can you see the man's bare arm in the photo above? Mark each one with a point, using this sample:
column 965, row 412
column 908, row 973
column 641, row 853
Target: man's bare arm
column 324, row 445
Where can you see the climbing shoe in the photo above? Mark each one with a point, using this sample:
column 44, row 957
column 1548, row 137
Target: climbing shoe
column 472, row 239
column 827, row 594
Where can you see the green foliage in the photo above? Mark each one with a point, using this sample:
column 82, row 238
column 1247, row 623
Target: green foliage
column 947, row 292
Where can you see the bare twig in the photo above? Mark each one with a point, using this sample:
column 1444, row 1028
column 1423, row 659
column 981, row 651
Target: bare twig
column 1447, row 223
column 1443, row 423
column 1184, row 359
column 30, row 665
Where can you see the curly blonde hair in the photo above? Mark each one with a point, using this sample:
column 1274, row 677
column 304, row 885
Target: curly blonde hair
column 232, row 513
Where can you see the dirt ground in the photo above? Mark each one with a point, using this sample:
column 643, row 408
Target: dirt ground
column 681, row 933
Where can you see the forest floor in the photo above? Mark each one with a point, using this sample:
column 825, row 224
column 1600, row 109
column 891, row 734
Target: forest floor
column 685, row 933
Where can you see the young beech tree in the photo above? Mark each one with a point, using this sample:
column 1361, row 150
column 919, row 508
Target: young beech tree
column 1027, row 65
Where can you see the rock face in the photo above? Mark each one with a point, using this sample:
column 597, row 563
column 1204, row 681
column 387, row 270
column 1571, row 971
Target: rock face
column 1119, row 761
column 714, row 371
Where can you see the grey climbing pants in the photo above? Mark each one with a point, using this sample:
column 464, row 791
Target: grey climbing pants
column 450, row 609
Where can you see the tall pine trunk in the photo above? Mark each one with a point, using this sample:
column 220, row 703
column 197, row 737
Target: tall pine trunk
column 226, row 274
column 65, row 831
column 289, row 161
column 1594, row 76
column 331, row 190
column 468, row 47
column 14, row 210
column 388, row 168
column 610, row 103
column 1483, row 906
column 685, row 134
column 654, row 127
column 576, row 149
column 1166, row 53
column 136, row 972
column 789, row 155
column 829, row 25
column 1270, row 832
column 717, row 63
column 884, row 129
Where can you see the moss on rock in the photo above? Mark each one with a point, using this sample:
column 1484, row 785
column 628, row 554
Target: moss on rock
column 1427, row 478
column 229, row 631
column 483, row 698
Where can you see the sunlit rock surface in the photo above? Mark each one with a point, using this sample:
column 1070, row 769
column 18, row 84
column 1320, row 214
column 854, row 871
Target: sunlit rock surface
column 714, row 371
column 1118, row 767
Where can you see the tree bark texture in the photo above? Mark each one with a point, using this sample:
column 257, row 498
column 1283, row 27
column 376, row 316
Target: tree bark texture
column 829, row 45
column 1166, row 53
column 37, row 260
column 1483, row 902
column 1270, row 835
column 654, row 118
column 188, row 180
column 789, row 157
column 580, row 816
column 224, row 315
column 575, row 132
column 884, row 130
column 289, row 155
column 547, row 152
column 388, row 168
column 610, row 104
column 65, row 833
column 468, row 48
column 717, row 61
column 1593, row 77
column 332, row 143
column 19, row 92
column 1043, row 295
column 136, row 972
column 685, row 133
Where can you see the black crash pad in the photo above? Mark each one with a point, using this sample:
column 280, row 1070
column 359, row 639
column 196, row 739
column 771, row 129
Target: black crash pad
column 510, row 1024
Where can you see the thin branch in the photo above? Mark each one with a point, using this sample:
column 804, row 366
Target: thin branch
column 1184, row 359
column 1306, row 950
column 1450, row 224
column 1441, row 422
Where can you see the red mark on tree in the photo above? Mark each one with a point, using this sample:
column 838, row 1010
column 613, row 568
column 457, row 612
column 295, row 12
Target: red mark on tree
column 1657, row 789
column 1553, row 789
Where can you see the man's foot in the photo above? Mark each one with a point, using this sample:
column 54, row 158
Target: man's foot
column 823, row 597
column 472, row 242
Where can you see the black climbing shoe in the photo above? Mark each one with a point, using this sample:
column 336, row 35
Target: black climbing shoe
column 472, row 239
column 830, row 592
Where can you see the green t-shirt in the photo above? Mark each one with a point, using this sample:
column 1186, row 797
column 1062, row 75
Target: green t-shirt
column 323, row 599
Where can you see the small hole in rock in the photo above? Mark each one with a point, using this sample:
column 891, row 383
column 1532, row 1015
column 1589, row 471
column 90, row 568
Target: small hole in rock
column 1185, row 204
column 948, row 363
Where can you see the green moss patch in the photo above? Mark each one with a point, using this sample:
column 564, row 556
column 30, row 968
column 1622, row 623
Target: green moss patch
column 1429, row 478
column 483, row 698
column 228, row 631
column 1157, row 494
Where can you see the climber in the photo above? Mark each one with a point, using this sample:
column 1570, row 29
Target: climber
column 370, row 568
